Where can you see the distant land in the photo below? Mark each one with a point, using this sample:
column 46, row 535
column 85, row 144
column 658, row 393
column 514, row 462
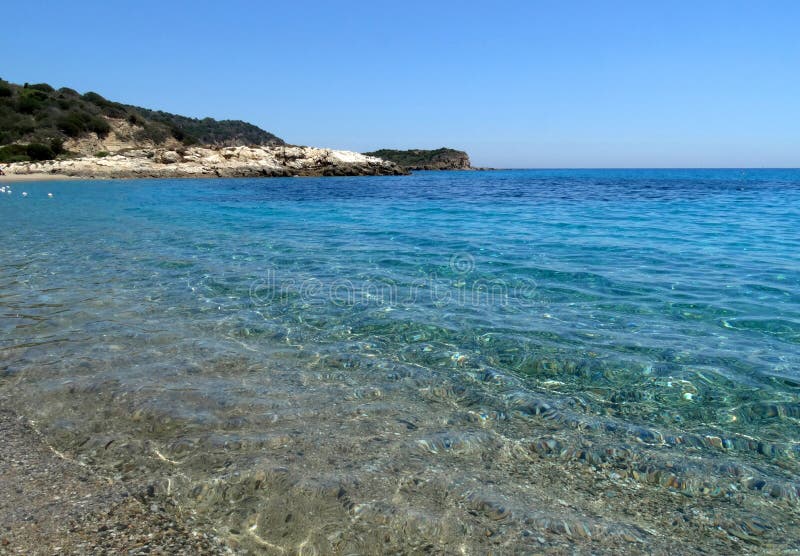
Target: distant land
column 416, row 159
column 59, row 133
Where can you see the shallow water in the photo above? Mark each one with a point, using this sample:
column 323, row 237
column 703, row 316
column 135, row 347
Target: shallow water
column 453, row 361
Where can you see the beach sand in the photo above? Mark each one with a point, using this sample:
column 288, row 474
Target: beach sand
column 20, row 178
column 50, row 505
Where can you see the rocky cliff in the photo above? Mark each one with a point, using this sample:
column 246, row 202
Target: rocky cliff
column 256, row 161
column 416, row 159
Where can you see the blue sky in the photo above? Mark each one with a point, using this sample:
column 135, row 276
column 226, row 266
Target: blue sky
column 516, row 84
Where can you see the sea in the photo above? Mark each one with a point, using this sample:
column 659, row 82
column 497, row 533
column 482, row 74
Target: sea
column 516, row 361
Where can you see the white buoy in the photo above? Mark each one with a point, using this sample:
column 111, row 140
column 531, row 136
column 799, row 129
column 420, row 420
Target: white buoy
column 24, row 194
column 50, row 195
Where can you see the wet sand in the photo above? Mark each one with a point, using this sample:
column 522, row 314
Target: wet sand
column 52, row 505
column 21, row 178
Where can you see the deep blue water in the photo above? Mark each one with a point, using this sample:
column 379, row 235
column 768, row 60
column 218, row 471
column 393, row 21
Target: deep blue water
column 658, row 309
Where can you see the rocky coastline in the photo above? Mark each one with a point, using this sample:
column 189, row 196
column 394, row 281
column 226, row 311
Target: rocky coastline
column 209, row 161
column 420, row 159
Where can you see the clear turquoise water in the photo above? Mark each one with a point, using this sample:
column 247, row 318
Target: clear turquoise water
column 424, row 358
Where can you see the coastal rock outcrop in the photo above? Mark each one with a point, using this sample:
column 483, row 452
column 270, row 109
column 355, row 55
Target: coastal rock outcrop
column 197, row 162
column 418, row 159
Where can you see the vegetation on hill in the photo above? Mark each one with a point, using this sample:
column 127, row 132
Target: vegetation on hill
column 36, row 119
column 417, row 159
column 209, row 131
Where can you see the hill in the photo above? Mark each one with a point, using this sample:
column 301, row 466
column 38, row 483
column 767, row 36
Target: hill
column 38, row 122
column 416, row 159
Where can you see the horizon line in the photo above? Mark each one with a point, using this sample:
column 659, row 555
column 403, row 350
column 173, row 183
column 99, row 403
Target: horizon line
column 630, row 168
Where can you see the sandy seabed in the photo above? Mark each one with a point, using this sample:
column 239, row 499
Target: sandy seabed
column 50, row 504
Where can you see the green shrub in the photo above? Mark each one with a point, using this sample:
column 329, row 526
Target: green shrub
column 57, row 145
column 114, row 111
column 74, row 123
column 6, row 91
column 28, row 104
column 69, row 127
column 41, row 87
column 177, row 133
column 99, row 126
column 102, row 154
column 15, row 158
column 155, row 133
column 24, row 153
column 14, row 153
column 41, row 96
column 107, row 107
column 43, row 116
column 24, row 126
column 94, row 98
column 37, row 151
column 66, row 103
column 135, row 119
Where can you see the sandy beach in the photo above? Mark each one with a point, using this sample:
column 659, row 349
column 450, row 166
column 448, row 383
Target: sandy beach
column 22, row 178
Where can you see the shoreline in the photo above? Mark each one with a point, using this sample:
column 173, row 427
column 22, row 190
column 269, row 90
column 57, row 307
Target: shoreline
column 44, row 177
column 50, row 504
column 195, row 162
column 23, row 178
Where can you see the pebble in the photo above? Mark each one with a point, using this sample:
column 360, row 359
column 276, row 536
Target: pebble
column 82, row 513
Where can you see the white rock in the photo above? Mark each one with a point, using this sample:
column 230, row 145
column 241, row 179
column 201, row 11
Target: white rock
column 206, row 161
